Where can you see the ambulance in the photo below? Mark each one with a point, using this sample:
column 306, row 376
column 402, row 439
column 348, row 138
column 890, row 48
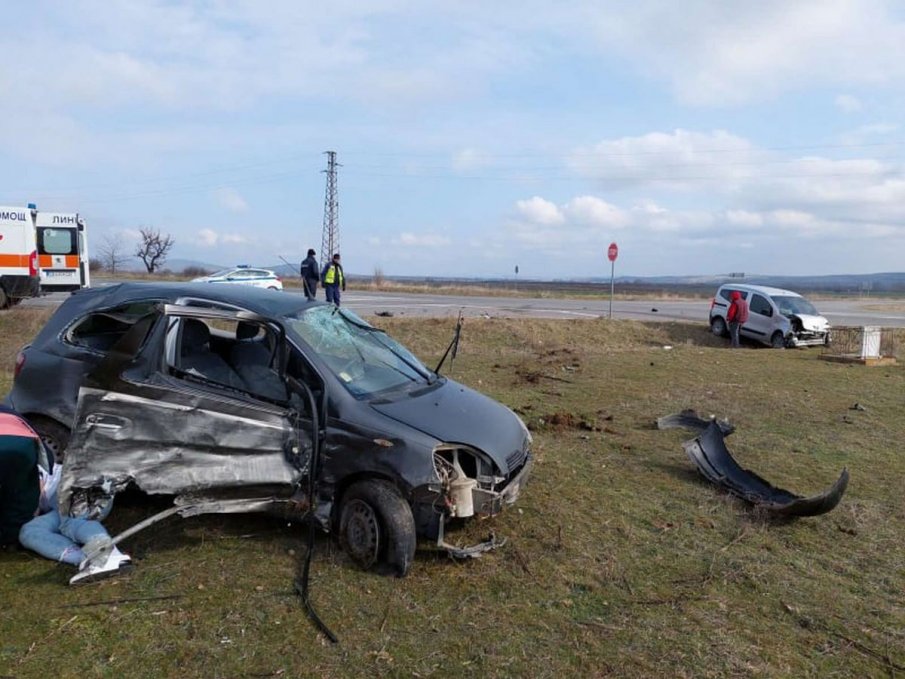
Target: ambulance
column 62, row 245
column 19, row 276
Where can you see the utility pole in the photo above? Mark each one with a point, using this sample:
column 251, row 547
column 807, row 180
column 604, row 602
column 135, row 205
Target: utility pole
column 330, row 238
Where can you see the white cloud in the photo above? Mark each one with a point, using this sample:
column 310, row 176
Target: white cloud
column 668, row 160
column 744, row 218
column 540, row 211
column 728, row 53
column 208, row 238
column 232, row 200
column 470, row 159
column 422, row 240
column 848, row 104
column 595, row 212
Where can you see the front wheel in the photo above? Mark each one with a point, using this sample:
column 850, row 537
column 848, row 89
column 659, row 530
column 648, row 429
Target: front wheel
column 718, row 326
column 778, row 340
column 376, row 527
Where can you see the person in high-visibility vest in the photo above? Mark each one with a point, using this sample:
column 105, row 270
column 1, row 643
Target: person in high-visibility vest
column 333, row 279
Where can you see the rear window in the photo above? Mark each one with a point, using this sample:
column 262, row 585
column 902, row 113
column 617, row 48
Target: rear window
column 99, row 331
column 57, row 242
column 726, row 294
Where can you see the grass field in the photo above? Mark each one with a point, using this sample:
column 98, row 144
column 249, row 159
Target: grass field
column 620, row 560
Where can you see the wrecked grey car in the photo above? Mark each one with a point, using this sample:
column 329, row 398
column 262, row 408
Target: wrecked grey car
column 239, row 399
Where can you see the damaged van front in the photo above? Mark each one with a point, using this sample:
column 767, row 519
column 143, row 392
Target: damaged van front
column 238, row 400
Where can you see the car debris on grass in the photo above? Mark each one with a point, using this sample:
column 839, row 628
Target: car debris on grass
column 715, row 463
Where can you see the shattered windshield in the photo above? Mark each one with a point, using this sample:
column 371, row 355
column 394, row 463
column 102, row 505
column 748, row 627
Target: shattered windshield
column 365, row 359
column 795, row 305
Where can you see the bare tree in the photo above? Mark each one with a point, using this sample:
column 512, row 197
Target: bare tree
column 112, row 252
column 153, row 248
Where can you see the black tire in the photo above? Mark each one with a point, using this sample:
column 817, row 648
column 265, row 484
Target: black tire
column 718, row 327
column 54, row 435
column 4, row 298
column 376, row 527
column 778, row 340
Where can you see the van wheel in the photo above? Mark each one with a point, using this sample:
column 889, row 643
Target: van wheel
column 376, row 527
column 718, row 326
column 53, row 434
column 4, row 298
column 778, row 340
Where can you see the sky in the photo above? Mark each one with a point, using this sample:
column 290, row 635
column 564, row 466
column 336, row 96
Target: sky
column 474, row 137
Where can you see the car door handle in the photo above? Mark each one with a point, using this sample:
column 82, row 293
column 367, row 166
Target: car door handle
column 104, row 421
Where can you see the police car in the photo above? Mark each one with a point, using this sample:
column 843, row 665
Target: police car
column 244, row 275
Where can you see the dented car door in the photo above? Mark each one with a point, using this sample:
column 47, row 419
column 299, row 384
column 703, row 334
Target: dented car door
column 169, row 412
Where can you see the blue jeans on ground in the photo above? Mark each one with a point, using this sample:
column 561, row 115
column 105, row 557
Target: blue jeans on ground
column 60, row 538
column 332, row 294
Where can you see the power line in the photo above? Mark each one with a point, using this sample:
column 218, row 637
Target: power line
column 509, row 173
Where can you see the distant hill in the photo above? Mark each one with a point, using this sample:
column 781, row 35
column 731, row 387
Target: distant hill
column 874, row 282
column 883, row 282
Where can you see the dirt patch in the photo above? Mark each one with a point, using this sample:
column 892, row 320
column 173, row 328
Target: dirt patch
column 560, row 421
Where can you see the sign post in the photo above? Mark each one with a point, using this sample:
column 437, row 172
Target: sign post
column 612, row 253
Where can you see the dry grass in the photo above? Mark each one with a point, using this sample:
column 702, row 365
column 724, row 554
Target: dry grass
column 620, row 560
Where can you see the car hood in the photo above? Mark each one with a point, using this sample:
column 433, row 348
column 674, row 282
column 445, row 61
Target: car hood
column 453, row 413
column 815, row 323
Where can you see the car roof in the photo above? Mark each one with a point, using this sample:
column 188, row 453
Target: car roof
column 763, row 289
column 271, row 303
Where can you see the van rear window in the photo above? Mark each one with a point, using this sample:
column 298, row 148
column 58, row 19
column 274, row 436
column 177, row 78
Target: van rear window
column 726, row 293
column 57, row 242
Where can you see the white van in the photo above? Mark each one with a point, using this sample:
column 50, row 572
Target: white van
column 18, row 255
column 778, row 318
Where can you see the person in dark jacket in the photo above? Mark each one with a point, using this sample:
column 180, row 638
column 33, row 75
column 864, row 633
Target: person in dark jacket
column 736, row 316
column 309, row 274
column 333, row 279
column 28, row 508
column 19, row 480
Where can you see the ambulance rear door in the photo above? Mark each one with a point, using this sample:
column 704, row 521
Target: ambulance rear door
column 60, row 253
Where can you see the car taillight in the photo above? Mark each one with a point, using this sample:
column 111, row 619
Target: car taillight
column 33, row 263
column 20, row 362
column 712, row 302
column 279, row 280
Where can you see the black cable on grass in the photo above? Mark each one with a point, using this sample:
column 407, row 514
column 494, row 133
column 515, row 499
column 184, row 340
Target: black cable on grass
column 301, row 583
column 301, row 587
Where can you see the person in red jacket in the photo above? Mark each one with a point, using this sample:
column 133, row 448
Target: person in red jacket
column 737, row 316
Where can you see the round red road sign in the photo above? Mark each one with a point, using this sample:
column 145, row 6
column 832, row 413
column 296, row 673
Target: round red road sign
column 612, row 252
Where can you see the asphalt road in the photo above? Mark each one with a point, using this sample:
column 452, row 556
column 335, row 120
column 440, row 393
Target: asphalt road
column 885, row 313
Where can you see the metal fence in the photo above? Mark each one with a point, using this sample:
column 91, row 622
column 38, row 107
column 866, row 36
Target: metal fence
column 848, row 341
